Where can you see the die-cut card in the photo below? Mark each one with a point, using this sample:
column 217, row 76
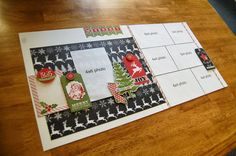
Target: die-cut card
column 207, row 79
column 184, row 55
column 151, row 35
column 180, row 86
column 178, row 33
column 159, row 60
column 96, row 70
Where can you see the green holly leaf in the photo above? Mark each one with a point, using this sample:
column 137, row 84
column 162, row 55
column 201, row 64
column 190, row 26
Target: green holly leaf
column 43, row 111
column 54, row 105
column 43, row 104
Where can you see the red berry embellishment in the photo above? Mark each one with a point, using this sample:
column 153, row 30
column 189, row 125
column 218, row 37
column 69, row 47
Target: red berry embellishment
column 70, row 76
column 49, row 108
column 129, row 57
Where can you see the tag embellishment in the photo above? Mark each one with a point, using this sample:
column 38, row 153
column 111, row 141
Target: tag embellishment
column 206, row 61
column 135, row 69
column 75, row 92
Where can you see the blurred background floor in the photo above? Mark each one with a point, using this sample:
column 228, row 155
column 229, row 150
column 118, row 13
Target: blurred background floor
column 227, row 10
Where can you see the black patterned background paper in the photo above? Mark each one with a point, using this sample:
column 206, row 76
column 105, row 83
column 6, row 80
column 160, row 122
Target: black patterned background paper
column 58, row 57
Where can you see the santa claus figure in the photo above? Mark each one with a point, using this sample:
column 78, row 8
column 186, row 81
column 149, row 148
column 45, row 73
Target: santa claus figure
column 75, row 90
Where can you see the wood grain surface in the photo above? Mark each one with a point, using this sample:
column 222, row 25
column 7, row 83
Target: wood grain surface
column 205, row 126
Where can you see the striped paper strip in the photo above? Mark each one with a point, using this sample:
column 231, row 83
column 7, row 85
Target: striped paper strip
column 35, row 94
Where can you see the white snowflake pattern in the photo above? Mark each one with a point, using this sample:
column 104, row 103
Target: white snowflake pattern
column 96, row 44
column 111, row 101
column 122, row 42
column 128, row 41
column 103, row 103
column 48, row 118
column 74, row 47
column 66, row 48
column 109, row 43
column 116, row 42
column 81, row 46
column 145, row 91
column 89, row 45
column 103, row 44
column 66, row 113
column 58, row 49
column 139, row 93
column 152, row 90
column 33, row 52
column 41, row 51
column 58, row 116
column 49, row 50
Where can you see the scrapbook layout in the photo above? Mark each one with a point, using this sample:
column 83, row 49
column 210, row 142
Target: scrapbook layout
column 84, row 81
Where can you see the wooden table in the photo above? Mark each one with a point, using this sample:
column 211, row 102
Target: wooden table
column 205, row 126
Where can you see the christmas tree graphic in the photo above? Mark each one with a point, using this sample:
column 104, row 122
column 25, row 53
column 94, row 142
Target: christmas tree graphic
column 124, row 80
